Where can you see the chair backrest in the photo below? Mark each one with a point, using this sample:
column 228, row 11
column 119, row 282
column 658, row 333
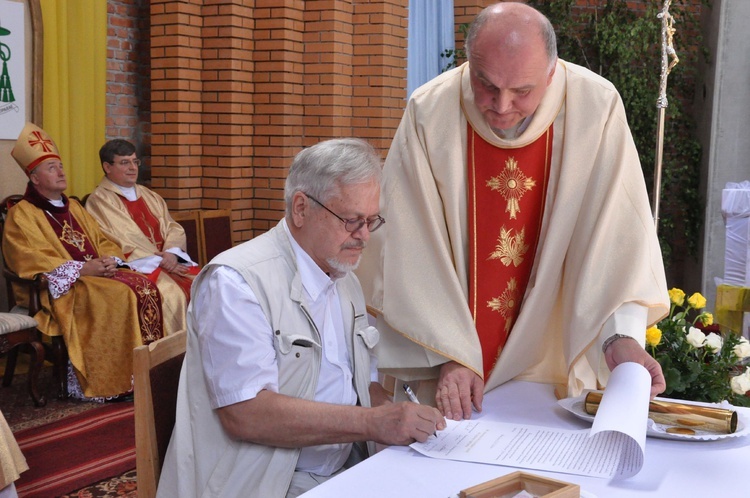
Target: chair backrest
column 156, row 373
column 208, row 232
column 6, row 204
column 216, row 227
column 190, row 222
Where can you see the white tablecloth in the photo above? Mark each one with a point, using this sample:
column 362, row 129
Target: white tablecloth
column 671, row 468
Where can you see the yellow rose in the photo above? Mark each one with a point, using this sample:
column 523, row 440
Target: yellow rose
column 677, row 296
column 697, row 301
column 653, row 336
column 706, row 318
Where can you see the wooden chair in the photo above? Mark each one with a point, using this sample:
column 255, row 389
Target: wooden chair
column 58, row 353
column 208, row 232
column 190, row 222
column 81, row 200
column 216, row 232
column 156, row 372
column 19, row 331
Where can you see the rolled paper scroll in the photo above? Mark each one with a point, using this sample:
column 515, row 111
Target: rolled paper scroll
column 693, row 417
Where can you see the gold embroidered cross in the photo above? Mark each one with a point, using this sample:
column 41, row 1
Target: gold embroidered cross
column 37, row 139
column 72, row 236
column 507, row 301
column 511, row 184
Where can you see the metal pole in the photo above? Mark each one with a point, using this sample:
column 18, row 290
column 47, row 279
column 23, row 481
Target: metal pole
column 658, row 163
column 667, row 52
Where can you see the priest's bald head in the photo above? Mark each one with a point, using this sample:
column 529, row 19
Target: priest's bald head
column 512, row 52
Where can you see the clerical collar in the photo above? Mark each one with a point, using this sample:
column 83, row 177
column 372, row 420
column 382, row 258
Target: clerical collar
column 33, row 196
column 127, row 192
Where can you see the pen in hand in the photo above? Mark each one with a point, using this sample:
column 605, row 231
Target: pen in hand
column 410, row 394
column 413, row 398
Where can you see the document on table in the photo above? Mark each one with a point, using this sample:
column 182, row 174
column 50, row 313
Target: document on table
column 613, row 447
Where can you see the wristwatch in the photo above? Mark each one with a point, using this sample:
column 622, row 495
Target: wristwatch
column 612, row 339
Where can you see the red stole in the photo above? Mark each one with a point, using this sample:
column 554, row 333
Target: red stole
column 506, row 194
column 149, row 304
column 146, row 221
column 183, row 282
column 151, row 228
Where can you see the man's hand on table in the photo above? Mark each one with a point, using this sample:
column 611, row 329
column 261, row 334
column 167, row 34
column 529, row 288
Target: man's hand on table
column 457, row 388
column 627, row 349
column 403, row 423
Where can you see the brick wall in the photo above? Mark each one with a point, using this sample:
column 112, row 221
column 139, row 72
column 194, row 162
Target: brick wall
column 239, row 87
column 128, row 100
column 219, row 95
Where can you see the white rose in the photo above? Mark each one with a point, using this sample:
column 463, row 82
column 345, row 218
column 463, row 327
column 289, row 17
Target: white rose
column 741, row 383
column 714, row 342
column 742, row 349
column 696, row 338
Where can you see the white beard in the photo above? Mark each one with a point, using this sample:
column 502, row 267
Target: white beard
column 340, row 268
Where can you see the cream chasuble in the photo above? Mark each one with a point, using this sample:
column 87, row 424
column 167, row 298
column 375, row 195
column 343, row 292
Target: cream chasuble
column 415, row 271
column 137, row 240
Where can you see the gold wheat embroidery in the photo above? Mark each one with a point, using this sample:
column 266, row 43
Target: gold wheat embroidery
column 510, row 248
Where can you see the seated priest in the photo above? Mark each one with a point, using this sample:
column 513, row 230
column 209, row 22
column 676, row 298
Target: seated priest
column 139, row 221
column 102, row 308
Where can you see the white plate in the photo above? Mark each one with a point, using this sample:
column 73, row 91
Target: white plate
column 575, row 406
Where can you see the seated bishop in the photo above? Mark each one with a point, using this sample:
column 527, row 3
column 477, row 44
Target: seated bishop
column 101, row 307
column 139, row 221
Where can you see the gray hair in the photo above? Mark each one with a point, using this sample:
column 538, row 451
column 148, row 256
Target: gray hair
column 545, row 26
column 325, row 166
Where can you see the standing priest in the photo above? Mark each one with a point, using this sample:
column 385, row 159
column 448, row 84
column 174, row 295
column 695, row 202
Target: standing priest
column 520, row 243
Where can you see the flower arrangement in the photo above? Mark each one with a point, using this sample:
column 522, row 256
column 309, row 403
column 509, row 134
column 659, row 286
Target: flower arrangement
column 699, row 366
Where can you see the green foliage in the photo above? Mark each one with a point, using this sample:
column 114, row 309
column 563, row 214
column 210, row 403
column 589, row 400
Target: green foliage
column 458, row 54
column 624, row 46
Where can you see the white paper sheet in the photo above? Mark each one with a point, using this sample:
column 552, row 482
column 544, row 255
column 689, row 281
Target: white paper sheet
column 613, row 447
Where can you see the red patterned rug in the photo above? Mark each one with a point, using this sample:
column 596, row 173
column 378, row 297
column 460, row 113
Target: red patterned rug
column 77, row 450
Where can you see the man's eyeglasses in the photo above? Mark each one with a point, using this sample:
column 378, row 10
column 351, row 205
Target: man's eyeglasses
column 356, row 223
column 127, row 162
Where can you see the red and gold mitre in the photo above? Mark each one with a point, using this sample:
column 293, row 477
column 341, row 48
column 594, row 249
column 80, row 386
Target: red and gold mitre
column 32, row 147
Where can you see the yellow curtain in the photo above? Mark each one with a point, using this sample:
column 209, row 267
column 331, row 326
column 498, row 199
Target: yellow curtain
column 75, row 83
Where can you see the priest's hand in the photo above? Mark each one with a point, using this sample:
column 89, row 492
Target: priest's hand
column 626, row 349
column 457, row 389
column 168, row 261
column 99, row 267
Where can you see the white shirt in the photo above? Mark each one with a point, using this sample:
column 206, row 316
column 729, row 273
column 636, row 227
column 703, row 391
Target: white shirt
column 239, row 359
